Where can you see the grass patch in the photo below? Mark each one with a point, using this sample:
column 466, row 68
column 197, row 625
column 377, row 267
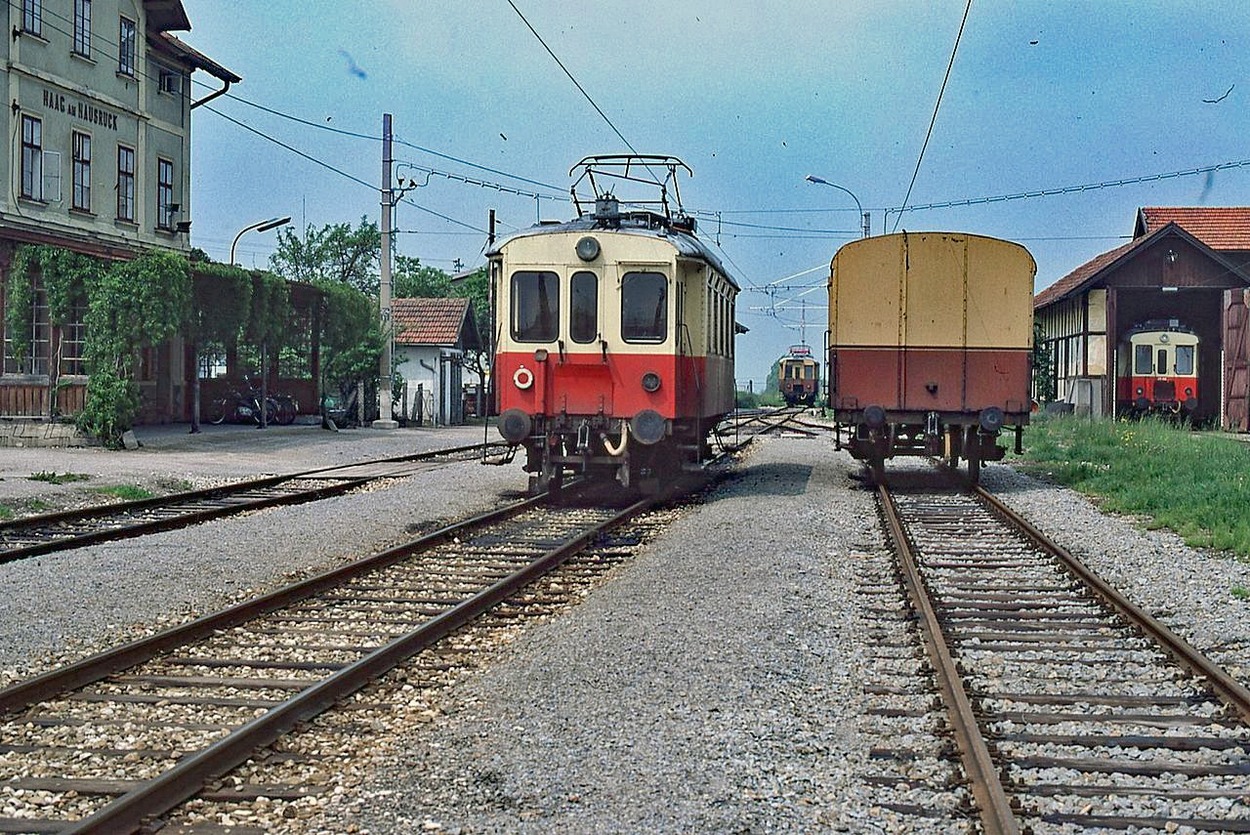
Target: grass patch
column 52, row 477
column 1196, row 484
column 1241, row 593
column 6, row 513
column 125, row 492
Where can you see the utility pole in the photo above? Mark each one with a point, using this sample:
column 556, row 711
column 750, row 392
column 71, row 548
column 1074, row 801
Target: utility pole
column 385, row 418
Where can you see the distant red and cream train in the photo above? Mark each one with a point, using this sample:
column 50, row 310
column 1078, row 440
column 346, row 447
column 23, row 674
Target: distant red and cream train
column 1158, row 371
column 614, row 336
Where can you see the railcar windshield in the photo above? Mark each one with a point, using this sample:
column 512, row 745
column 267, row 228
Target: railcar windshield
column 644, row 307
column 535, row 306
column 1185, row 359
column 584, row 307
column 1142, row 357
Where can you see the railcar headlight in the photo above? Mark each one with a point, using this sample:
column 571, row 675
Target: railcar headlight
column 1189, row 392
column 651, row 381
column 587, row 248
column 1141, row 390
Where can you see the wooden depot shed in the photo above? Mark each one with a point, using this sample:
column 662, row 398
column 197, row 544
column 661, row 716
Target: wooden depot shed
column 1185, row 265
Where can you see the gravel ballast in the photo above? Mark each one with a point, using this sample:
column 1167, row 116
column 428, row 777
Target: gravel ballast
column 712, row 684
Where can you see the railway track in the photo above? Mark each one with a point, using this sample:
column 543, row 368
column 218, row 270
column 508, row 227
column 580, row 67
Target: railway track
column 48, row 533
column 1070, row 708
column 746, row 424
column 112, row 743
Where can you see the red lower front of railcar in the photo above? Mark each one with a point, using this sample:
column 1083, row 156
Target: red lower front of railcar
column 1141, row 394
column 634, row 415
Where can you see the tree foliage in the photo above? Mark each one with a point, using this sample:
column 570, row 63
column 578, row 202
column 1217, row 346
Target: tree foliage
column 335, row 252
column 411, row 280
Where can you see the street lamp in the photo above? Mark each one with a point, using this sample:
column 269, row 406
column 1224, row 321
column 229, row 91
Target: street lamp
column 864, row 218
column 261, row 226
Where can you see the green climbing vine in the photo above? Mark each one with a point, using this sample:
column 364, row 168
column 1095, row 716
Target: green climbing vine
column 132, row 305
column 139, row 304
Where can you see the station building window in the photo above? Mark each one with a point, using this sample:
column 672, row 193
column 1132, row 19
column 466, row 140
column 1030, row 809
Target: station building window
column 535, row 306
column 33, row 358
column 32, row 17
column 125, row 183
column 32, row 158
column 73, row 341
column 82, row 28
column 82, row 171
column 644, row 307
column 126, row 47
column 164, row 194
column 584, row 307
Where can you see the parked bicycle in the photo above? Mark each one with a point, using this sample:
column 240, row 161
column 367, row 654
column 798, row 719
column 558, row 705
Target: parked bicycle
column 244, row 407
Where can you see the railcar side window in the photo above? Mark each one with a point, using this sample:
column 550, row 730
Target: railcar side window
column 1184, row 359
column 1141, row 359
column 644, row 307
column 584, row 307
column 535, row 306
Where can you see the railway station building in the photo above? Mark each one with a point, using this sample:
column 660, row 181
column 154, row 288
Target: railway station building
column 1187, row 266
column 99, row 163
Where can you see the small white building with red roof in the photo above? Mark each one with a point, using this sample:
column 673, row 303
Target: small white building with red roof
column 431, row 339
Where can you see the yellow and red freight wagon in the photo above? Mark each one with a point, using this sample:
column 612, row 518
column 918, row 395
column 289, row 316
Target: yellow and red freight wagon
column 930, row 345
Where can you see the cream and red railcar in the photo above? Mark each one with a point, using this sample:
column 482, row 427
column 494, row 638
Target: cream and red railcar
column 930, row 346
column 615, row 346
column 1158, row 371
column 798, row 376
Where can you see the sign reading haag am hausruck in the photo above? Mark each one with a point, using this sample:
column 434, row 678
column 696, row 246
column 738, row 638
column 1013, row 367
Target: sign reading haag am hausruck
column 80, row 109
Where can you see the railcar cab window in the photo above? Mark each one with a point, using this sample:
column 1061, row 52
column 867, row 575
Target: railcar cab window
column 584, row 307
column 535, row 306
column 1184, row 359
column 644, row 307
column 1142, row 359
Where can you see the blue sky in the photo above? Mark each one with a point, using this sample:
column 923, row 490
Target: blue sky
column 752, row 95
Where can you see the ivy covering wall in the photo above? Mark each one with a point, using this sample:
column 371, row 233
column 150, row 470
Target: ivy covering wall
column 140, row 304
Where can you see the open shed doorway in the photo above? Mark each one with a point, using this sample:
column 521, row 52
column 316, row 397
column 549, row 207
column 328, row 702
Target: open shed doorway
column 1199, row 309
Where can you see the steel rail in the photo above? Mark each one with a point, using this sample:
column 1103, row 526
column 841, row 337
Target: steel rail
column 997, row 817
column 1228, row 688
column 96, row 667
column 132, row 810
column 141, row 528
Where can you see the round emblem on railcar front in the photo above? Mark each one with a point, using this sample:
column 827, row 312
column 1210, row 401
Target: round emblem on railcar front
column 523, row 377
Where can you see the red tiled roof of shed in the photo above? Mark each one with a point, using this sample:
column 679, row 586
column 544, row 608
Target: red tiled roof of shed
column 429, row 321
column 1220, row 227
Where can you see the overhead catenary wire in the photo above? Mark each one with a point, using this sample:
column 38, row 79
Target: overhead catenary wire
column 936, row 106
column 576, row 83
